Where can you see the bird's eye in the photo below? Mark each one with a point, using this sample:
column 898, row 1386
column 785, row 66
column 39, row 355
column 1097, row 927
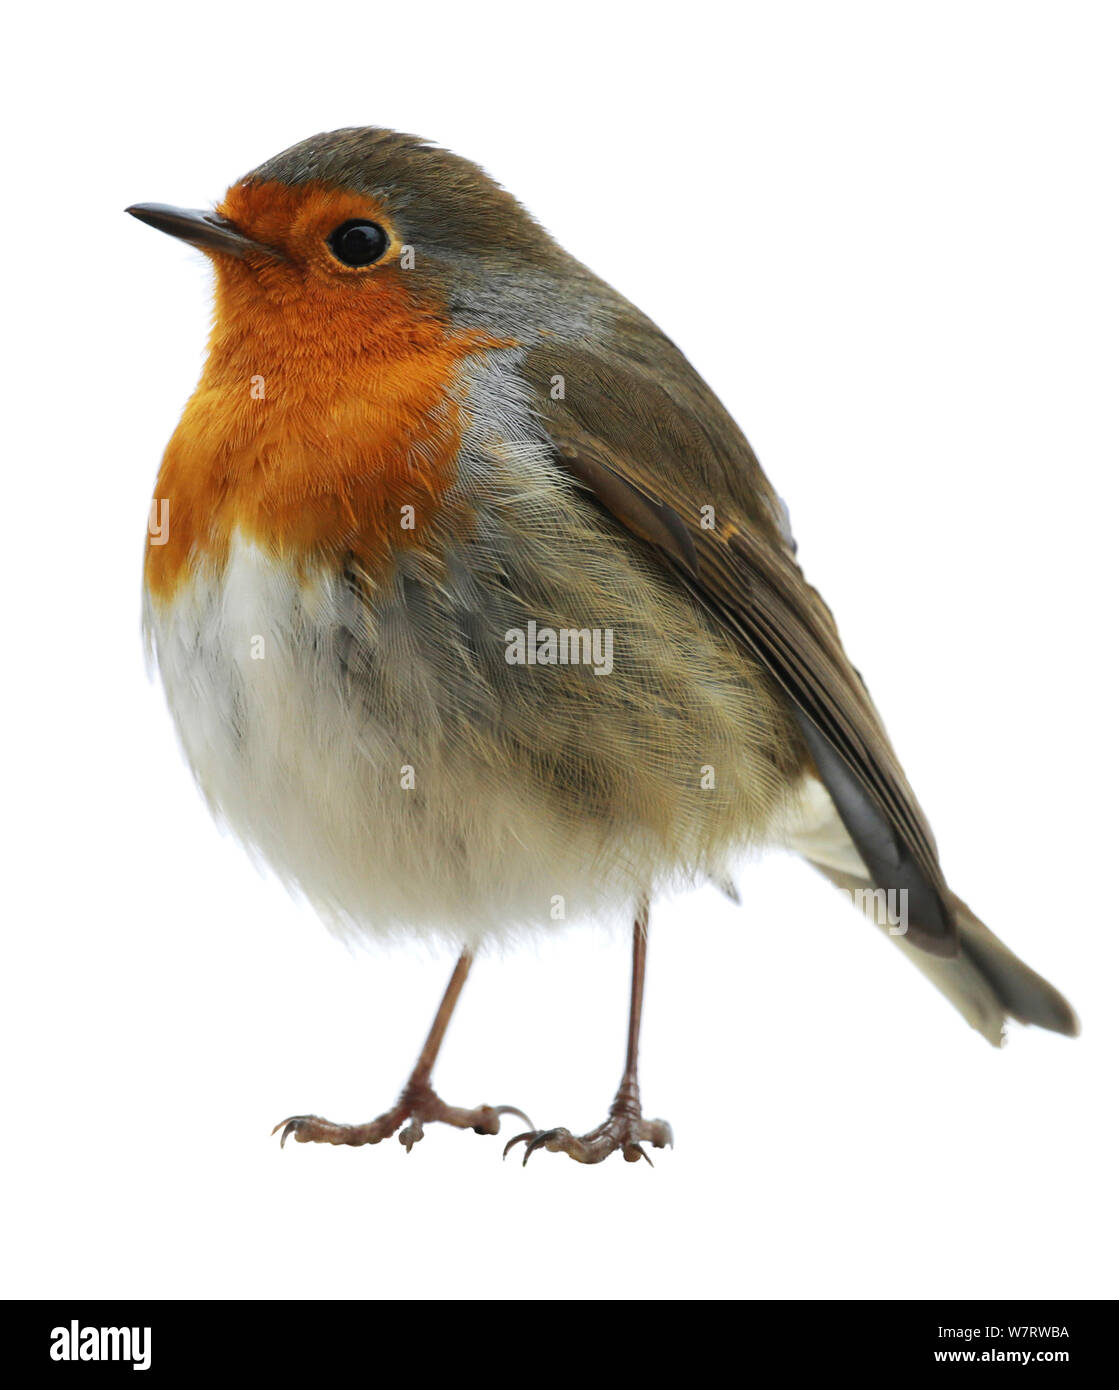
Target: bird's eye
column 358, row 243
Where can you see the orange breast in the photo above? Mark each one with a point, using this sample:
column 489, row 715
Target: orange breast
column 323, row 412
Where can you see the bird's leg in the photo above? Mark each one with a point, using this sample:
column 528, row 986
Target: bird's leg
column 624, row 1128
column 418, row 1103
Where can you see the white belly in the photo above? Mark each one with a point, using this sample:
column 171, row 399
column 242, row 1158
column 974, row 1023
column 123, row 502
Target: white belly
column 379, row 826
column 384, row 760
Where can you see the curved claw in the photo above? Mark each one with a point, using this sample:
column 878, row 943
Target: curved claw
column 542, row 1139
column 516, row 1139
column 512, row 1110
column 289, row 1126
column 536, row 1139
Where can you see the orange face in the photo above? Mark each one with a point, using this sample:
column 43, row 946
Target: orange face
column 328, row 402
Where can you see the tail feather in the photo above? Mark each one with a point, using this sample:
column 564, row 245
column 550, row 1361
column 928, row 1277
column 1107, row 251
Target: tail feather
column 1025, row 994
column 985, row 982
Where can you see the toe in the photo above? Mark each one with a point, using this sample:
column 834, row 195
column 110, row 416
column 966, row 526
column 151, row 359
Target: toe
column 411, row 1134
column 658, row 1133
column 632, row 1152
column 553, row 1139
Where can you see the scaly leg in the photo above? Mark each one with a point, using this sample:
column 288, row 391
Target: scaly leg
column 418, row 1103
column 625, row 1128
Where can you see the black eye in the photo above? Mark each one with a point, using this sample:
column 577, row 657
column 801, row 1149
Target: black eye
column 358, row 243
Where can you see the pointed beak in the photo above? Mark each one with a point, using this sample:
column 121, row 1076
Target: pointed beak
column 205, row 230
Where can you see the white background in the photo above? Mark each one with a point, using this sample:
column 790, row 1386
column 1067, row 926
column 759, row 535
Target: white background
column 887, row 235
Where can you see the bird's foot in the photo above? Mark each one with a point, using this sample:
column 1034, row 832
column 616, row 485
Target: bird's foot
column 418, row 1104
column 625, row 1129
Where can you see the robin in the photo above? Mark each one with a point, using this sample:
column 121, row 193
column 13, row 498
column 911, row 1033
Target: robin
column 476, row 612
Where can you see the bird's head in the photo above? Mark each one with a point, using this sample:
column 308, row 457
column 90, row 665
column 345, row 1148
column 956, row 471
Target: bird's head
column 360, row 231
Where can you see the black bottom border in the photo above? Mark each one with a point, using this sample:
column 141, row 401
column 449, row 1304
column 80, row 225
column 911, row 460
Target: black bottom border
column 185, row 1341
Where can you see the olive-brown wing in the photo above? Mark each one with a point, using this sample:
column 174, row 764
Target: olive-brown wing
column 642, row 433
